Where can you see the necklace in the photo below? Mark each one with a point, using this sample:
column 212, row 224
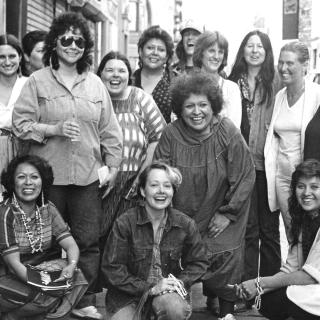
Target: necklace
column 35, row 239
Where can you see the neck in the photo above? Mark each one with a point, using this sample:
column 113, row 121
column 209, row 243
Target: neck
column 295, row 88
column 28, row 208
column 155, row 215
column 189, row 61
column 8, row 81
column 253, row 71
column 67, row 70
column 147, row 72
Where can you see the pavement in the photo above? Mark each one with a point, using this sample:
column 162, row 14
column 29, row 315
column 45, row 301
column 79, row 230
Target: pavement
column 199, row 307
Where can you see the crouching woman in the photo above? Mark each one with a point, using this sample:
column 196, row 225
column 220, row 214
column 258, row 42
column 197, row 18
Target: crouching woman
column 154, row 253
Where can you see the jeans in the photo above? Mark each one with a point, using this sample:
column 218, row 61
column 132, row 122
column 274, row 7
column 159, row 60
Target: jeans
column 262, row 225
column 275, row 305
column 169, row 306
column 81, row 208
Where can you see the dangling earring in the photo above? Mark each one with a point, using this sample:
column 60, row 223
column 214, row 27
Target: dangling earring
column 14, row 200
column 42, row 200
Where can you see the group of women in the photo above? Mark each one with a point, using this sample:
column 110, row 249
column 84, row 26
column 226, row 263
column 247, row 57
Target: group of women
column 155, row 206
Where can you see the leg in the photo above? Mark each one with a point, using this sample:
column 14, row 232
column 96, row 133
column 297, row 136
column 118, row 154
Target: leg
column 171, row 306
column 126, row 313
column 226, row 307
column 270, row 252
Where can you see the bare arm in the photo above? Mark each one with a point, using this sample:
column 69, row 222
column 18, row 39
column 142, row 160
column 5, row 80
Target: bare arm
column 12, row 260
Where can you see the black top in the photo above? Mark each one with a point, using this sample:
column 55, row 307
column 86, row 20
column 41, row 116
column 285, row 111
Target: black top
column 312, row 138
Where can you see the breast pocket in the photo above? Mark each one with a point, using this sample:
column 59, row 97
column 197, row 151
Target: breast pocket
column 138, row 263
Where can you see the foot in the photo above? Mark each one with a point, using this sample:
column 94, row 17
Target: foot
column 228, row 316
column 90, row 312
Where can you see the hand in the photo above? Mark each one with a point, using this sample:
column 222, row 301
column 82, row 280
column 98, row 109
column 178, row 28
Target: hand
column 217, row 225
column 164, row 285
column 66, row 273
column 249, row 289
column 109, row 181
column 70, row 129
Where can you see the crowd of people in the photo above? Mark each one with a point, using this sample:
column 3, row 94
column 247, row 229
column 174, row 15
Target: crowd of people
column 147, row 181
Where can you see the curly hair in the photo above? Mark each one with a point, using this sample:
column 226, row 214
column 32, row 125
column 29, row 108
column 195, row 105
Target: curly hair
column 117, row 56
column 174, row 175
column 267, row 70
column 59, row 26
column 206, row 40
column 45, row 171
column 31, row 39
column 298, row 48
column 307, row 169
column 155, row 32
column 199, row 83
column 11, row 40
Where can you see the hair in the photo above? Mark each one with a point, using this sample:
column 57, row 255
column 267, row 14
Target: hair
column 307, row 169
column 31, row 39
column 174, row 175
column 155, row 32
column 206, row 40
column 11, row 40
column 267, row 70
column 298, row 48
column 117, row 56
column 196, row 82
column 60, row 25
column 45, row 171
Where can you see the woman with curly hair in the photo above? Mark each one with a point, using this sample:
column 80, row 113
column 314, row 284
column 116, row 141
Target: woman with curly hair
column 295, row 290
column 155, row 48
column 66, row 115
column 218, row 177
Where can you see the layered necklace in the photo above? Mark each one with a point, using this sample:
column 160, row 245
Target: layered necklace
column 34, row 238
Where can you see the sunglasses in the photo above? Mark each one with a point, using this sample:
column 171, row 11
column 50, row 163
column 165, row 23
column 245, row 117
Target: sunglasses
column 66, row 41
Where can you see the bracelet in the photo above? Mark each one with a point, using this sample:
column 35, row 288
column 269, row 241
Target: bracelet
column 260, row 291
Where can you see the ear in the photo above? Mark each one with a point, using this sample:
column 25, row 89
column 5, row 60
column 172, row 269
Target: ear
column 142, row 192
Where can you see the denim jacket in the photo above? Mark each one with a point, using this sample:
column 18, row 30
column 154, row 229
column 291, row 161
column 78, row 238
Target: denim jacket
column 128, row 253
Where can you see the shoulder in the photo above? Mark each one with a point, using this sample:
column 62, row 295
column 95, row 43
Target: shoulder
column 129, row 217
column 181, row 220
column 39, row 75
column 227, row 127
column 230, row 84
column 313, row 87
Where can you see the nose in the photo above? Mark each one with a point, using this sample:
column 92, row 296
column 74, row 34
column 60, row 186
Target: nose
column 307, row 191
column 28, row 180
column 255, row 48
column 7, row 60
column 196, row 109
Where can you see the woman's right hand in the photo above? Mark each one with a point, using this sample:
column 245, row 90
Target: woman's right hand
column 70, row 129
column 164, row 285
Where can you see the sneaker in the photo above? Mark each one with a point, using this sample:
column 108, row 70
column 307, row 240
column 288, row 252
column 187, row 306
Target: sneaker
column 229, row 316
column 90, row 312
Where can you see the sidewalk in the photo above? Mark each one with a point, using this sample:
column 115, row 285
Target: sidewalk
column 199, row 307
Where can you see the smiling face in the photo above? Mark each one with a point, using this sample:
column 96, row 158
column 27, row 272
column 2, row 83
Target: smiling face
column 254, row 53
column 212, row 58
column 308, row 193
column 27, row 183
column 153, row 54
column 158, row 191
column 35, row 58
column 291, row 70
column 189, row 38
column 9, row 60
column 197, row 113
column 115, row 76
column 69, row 55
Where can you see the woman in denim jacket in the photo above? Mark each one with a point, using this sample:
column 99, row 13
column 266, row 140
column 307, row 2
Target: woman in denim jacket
column 154, row 253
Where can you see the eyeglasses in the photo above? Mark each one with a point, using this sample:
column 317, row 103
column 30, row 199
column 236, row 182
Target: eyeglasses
column 66, row 41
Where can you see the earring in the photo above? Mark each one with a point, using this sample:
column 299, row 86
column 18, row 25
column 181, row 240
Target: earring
column 14, row 200
column 42, row 200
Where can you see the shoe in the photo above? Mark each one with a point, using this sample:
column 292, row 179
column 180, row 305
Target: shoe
column 90, row 312
column 229, row 316
column 213, row 305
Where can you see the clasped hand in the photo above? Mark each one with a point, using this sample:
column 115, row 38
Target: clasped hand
column 217, row 225
column 66, row 273
column 246, row 290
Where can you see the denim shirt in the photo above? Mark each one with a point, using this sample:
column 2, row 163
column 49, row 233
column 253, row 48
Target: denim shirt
column 127, row 256
column 45, row 101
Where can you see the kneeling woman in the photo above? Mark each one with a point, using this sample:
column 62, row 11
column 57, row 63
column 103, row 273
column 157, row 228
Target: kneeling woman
column 29, row 227
column 154, row 253
column 295, row 290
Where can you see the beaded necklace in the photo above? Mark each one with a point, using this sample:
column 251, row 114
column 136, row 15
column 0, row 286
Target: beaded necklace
column 34, row 240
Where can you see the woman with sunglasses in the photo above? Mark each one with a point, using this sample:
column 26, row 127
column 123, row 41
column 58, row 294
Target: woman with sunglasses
column 11, row 83
column 66, row 115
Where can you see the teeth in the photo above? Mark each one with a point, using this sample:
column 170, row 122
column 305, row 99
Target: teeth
column 114, row 82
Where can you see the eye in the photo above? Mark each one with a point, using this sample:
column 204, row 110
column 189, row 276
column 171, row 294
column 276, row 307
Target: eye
column 300, row 186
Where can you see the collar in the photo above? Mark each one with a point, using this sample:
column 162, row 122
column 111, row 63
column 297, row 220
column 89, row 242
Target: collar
column 80, row 77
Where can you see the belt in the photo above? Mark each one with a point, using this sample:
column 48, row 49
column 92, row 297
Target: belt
column 5, row 132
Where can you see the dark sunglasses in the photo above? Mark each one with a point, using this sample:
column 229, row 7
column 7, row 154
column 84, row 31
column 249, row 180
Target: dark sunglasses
column 66, row 41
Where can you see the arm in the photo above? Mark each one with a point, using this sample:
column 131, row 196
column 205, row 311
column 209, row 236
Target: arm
column 233, row 104
column 12, row 260
column 163, row 148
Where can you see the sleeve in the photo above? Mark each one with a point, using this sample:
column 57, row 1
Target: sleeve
column 163, row 149
column 233, row 104
column 110, row 133
column 153, row 118
column 312, row 264
column 241, row 176
column 26, row 114
column 194, row 257
column 8, row 242
column 115, row 261
column 292, row 262
column 60, row 229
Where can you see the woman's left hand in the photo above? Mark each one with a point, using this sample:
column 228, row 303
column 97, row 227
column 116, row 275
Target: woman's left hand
column 109, row 181
column 218, row 224
column 66, row 273
column 249, row 289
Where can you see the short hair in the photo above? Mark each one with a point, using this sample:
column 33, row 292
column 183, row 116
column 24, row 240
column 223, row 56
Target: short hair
column 11, row 40
column 117, row 56
column 174, row 175
column 206, row 40
column 308, row 169
column 155, row 32
column 267, row 70
column 31, row 39
column 298, row 47
column 45, row 171
column 59, row 26
column 196, row 82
